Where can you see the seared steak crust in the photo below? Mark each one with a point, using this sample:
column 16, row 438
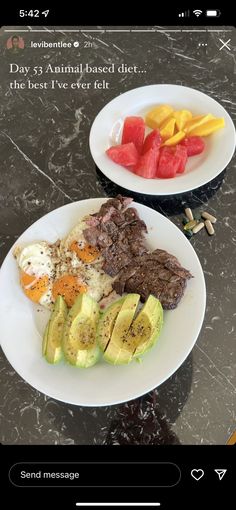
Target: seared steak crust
column 158, row 273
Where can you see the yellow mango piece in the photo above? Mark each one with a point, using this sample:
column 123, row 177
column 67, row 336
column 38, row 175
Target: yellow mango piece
column 197, row 121
column 157, row 115
column 168, row 128
column 176, row 138
column 208, row 127
column 193, row 121
column 181, row 117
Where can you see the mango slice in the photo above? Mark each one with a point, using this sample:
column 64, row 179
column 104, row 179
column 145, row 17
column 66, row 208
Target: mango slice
column 175, row 139
column 157, row 115
column 181, row 117
column 197, row 121
column 168, row 128
column 208, row 127
column 174, row 125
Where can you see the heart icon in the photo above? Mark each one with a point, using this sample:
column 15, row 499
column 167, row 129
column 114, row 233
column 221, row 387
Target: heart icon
column 197, row 474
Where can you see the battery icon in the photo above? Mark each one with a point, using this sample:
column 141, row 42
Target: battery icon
column 213, row 13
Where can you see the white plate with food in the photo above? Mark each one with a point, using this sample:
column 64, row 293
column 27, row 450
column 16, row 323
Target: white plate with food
column 100, row 243
column 191, row 114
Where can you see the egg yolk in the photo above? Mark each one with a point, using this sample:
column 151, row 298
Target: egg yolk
column 87, row 254
column 34, row 287
column 69, row 287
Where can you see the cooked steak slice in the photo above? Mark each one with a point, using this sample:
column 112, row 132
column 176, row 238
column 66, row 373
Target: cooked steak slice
column 92, row 221
column 91, row 235
column 113, row 265
column 95, row 237
column 163, row 257
column 125, row 275
column 172, row 294
column 125, row 200
column 158, row 273
column 107, row 214
column 136, row 229
column 113, row 204
column 169, row 293
column 110, row 227
column 137, row 286
column 104, row 240
column 131, row 215
column 119, row 234
column 170, row 262
column 117, row 217
column 119, row 286
column 181, row 272
column 163, row 273
column 138, row 248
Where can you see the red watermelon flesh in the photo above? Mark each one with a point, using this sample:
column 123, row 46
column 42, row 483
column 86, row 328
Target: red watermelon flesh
column 194, row 145
column 124, row 154
column 134, row 131
column 152, row 141
column 182, row 156
column 147, row 164
column 168, row 164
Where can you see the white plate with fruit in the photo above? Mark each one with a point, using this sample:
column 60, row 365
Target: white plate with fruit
column 192, row 140
column 99, row 377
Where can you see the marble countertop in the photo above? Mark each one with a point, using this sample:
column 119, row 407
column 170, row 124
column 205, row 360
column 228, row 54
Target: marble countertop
column 46, row 163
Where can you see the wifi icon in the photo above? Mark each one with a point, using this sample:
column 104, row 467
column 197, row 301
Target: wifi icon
column 197, row 12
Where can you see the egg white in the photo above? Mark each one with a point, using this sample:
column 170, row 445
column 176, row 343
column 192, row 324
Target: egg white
column 36, row 260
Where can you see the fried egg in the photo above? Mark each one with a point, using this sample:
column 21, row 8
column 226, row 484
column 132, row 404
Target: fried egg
column 37, row 271
column 87, row 261
column 68, row 267
column 76, row 243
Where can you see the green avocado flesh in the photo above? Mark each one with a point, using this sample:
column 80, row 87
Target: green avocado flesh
column 119, row 332
column 45, row 340
column 122, row 336
column 106, row 323
column 79, row 340
column 120, row 349
column 146, row 328
column 52, row 340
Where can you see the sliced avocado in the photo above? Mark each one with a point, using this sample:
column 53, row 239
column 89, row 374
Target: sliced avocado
column 146, row 328
column 119, row 350
column 106, row 323
column 52, row 341
column 45, row 339
column 79, row 341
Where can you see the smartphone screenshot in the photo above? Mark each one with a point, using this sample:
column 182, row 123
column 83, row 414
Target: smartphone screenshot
column 117, row 252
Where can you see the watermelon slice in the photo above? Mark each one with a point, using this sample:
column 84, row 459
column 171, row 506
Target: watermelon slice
column 124, row 154
column 194, row 145
column 134, row 131
column 182, row 156
column 168, row 164
column 152, row 141
column 147, row 164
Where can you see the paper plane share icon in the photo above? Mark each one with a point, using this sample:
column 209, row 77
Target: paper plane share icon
column 220, row 473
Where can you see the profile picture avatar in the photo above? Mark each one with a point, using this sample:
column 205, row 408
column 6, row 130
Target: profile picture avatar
column 15, row 44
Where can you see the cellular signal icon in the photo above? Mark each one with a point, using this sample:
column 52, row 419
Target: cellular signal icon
column 184, row 14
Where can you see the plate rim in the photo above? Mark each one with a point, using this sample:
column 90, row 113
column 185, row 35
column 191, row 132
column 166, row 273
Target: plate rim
column 132, row 395
column 134, row 188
